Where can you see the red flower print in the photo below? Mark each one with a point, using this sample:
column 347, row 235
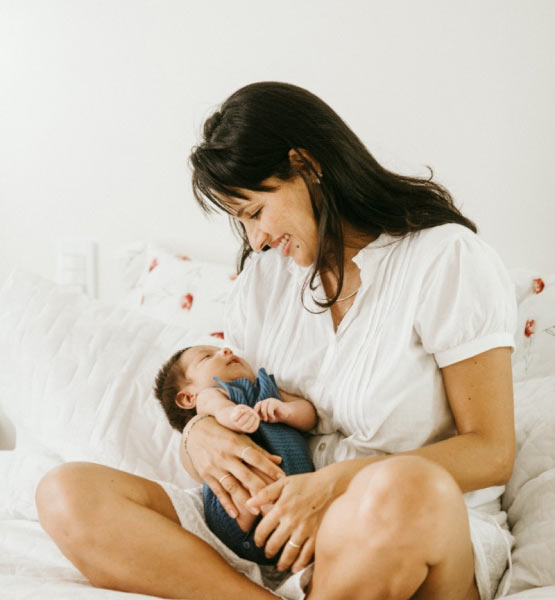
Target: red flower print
column 153, row 265
column 218, row 334
column 187, row 302
column 142, row 299
column 183, row 257
column 530, row 327
column 233, row 277
column 537, row 285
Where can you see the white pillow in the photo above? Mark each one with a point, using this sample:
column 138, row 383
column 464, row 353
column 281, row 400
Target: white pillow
column 20, row 472
column 178, row 289
column 534, row 354
column 76, row 378
column 529, row 497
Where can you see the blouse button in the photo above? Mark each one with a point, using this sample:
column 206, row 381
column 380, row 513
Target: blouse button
column 322, row 446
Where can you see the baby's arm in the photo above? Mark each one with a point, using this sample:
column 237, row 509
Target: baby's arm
column 238, row 417
column 294, row 411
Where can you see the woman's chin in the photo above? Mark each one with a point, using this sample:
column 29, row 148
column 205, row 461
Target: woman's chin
column 303, row 261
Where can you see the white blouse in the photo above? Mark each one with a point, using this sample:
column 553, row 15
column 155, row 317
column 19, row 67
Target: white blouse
column 427, row 300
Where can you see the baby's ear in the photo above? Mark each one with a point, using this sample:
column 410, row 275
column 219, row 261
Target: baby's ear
column 186, row 399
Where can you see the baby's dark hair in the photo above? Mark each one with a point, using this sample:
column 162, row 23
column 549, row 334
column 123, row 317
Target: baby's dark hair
column 168, row 381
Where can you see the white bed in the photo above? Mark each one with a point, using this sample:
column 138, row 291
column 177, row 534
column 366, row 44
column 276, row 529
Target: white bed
column 76, row 378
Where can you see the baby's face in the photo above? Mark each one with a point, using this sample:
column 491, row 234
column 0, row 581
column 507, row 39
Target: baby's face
column 202, row 363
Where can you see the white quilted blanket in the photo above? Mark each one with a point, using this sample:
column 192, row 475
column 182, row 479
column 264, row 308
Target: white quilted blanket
column 32, row 567
column 83, row 374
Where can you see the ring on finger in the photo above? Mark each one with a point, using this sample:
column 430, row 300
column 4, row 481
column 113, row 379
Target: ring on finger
column 243, row 451
column 293, row 544
column 221, row 479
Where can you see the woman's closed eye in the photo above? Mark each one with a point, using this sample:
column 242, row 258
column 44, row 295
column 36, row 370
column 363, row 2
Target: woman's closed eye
column 255, row 215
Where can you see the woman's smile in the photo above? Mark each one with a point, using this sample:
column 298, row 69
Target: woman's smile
column 284, row 244
column 281, row 218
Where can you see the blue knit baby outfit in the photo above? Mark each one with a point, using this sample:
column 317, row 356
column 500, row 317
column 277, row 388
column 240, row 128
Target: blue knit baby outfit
column 276, row 438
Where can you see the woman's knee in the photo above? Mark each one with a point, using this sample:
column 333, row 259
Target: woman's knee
column 403, row 496
column 67, row 498
column 77, row 499
column 405, row 480
column 395, row 515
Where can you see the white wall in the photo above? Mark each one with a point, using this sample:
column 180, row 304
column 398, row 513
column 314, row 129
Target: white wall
column 101, row 100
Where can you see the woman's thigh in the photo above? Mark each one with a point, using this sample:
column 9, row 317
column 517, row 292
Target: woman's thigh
column 78, row 499
column 400, row 531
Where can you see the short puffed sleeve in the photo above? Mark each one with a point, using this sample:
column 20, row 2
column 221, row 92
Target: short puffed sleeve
column 467, row 302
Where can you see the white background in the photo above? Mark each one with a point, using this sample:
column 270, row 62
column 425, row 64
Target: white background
column 101, row 101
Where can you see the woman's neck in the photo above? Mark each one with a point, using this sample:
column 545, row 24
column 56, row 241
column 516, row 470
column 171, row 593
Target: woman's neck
column 354, row 242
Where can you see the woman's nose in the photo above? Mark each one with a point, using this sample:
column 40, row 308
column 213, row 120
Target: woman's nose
column 257, row 238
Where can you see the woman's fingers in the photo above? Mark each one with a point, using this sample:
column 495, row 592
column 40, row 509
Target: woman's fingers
column 297, row 546
column 250, row 478
column 277, row 540
column 305, row 556
column 262, row 460
column 225, row 497
column 267, row 480
column 267, row 525
column 268, row 495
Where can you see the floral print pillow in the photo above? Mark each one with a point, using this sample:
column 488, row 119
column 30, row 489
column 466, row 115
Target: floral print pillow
column 534, row 354
column 179, row 290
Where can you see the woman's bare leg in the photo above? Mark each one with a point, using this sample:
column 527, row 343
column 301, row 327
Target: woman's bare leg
column 121, row 531
column 399, row 532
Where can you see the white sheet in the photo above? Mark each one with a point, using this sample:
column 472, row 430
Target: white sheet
column 32, row 567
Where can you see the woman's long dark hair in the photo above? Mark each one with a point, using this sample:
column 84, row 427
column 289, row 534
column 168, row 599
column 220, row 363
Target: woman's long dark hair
column 249, row 140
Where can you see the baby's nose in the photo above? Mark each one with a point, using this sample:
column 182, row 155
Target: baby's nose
column 226, row 351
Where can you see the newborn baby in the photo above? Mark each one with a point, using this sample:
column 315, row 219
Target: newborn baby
column 208, row 380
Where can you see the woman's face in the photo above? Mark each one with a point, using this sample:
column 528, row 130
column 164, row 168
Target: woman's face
column 282, row 219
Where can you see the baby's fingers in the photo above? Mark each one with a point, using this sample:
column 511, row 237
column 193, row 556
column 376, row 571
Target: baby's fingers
column 252, row 423
column 262, row 409
column 272, row 410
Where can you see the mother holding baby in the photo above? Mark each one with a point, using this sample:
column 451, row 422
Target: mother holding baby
column 370, row 294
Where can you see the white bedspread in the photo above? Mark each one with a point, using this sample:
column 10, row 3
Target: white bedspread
column 109, row 394
column 32, row 567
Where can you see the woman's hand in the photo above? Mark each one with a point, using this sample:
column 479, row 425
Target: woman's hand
column 299, row 505
column 231, row 464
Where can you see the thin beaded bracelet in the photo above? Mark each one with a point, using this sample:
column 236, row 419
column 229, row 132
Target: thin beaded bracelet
column 196, row 419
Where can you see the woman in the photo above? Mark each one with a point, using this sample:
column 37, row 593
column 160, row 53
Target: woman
column 378, row 302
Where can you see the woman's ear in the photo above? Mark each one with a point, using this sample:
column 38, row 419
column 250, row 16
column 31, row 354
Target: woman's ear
column 299, row 157
column 186, row 399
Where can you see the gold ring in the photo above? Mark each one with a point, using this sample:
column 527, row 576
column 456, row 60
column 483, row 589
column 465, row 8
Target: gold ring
column 243, row 452
column 294, row 545
column 222, row 478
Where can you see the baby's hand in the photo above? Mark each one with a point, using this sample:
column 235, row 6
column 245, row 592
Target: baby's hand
column 272, row 410
column 243, row 418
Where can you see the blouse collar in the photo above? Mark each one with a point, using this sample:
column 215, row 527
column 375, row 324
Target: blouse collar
column 364, row 259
